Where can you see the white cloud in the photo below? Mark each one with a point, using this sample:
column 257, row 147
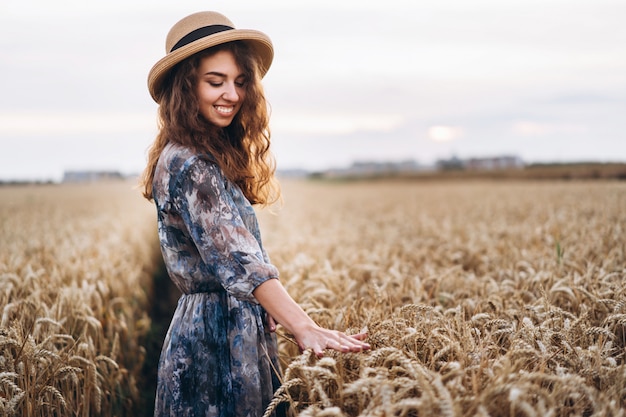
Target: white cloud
column 315, row 124
column 60, row 123
column 442, row 133
column 528, row 128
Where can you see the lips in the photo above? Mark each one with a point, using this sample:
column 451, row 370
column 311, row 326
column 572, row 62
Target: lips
column 224, row 110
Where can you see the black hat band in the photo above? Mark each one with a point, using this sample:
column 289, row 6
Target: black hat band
column 199, row 34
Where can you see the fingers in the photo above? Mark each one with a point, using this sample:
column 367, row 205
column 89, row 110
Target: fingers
column 344, row 343
column 318, row 352
column 271, row 323
column 338, row 346
column 321, row 339
column 356, row 343
column 359, row 336
column 331, row 344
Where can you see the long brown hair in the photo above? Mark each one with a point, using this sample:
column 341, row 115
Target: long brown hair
column 240, row 149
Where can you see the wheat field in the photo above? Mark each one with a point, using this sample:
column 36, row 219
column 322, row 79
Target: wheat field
column 481, row 298
column 76, row 267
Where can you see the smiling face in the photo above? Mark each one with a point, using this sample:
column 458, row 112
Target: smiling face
column 221, row 88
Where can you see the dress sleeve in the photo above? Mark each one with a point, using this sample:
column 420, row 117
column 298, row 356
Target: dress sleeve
column 212, row 218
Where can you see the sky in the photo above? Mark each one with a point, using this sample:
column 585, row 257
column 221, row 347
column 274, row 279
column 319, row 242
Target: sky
column 351, row 80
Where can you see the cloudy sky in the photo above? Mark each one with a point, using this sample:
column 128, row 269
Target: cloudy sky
column 351, row 80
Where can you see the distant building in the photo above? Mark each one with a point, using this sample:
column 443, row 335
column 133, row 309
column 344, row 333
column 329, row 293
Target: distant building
column 374, row 168
column 451, row 164
column 481, row 164
column 494, row 163
column 91, row 176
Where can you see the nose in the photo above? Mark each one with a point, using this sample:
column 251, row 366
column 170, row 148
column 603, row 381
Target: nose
column 230, row 92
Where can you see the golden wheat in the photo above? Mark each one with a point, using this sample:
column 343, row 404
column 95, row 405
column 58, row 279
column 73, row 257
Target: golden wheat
column 480, row 298
column 75, row 265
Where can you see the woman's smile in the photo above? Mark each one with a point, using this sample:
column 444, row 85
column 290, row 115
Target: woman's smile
column 225, row 110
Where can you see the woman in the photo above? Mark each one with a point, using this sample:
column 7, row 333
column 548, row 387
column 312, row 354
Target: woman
column 209, row 163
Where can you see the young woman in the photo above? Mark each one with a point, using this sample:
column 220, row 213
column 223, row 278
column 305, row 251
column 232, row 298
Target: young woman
column 209, row 163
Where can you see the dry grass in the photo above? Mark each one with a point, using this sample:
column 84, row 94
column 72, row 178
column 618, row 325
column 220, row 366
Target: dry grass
column 481, row 298
column 74, row 265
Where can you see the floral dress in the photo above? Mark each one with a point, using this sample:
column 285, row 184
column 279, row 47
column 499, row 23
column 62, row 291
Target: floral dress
column 218, row 359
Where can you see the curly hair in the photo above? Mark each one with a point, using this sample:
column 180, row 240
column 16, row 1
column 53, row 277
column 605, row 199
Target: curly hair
column 242, row 149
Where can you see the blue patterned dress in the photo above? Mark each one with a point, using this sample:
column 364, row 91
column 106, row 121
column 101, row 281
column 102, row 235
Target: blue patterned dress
column 218, row 358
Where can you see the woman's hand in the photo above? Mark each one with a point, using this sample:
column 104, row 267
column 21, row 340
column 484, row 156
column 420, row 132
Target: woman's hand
column 281, row 308
column 319, row 339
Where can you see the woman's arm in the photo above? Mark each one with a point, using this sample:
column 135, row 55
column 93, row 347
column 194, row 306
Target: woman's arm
column 278, row 303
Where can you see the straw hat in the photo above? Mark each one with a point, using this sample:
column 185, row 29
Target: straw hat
column 200, row 31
